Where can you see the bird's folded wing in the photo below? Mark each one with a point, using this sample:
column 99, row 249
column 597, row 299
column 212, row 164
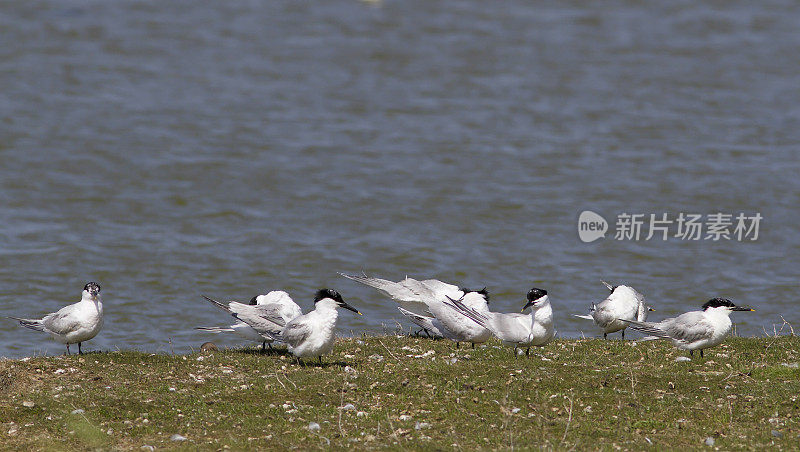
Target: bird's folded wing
column 252, row 315
column 61, row 322
column 295, row 333
column 690, row 327
column 272, row 312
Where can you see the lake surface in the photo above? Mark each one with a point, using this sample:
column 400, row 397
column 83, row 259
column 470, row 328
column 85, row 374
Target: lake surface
column 173, row 149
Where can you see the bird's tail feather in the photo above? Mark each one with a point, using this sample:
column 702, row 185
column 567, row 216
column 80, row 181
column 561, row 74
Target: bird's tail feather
column 34, row 324
column 215, row 329
column 419, row 320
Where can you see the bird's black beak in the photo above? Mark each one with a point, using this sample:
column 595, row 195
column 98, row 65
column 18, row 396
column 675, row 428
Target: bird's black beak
column 742, row 308
column 650, row 309
column 350, row 308
column 527, row 305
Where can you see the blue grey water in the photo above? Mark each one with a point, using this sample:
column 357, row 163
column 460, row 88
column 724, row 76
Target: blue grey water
column 172, row 149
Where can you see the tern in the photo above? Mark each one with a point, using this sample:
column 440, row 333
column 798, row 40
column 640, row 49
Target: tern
column 435, row 327
column 455, row 325
column 411, row 294
column 515, row 329
column 313, row 335
column 75, row 323
column 416, row 298
column 275, row 304
column 693, row 330
column 624, row 303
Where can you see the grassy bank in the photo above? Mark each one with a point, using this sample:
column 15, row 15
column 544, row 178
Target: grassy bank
column 401, row 392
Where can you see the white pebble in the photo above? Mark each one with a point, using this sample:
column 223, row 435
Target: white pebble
column 313, row 426
column 28, row 404
column 683, row 359
column 709, row 441
column 147, row 447
column 515, row 410
column 177, row 437
column 404, row 417
column 349, row 407
column 361, row 414
column 421, row 425
column 78, row 411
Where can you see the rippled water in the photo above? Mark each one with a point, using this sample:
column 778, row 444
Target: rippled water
column 169, row 149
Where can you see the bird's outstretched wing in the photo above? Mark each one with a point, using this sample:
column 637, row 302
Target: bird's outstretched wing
column 409, row 293
column 219, row 304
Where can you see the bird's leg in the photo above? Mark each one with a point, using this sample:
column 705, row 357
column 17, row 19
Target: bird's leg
column 80, row 352
column 605, row 336
column 528, row 352
column 473, row 346
column 427, row 333
column 623, row 335
column 701, row 352
column 320, row 360
column 68, row 349
column 691, row 352
column 456, row 344
column 263, row 346
column 515, row 352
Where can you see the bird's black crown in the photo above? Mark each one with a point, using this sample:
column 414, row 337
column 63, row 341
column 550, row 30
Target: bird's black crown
column 718, row 302
column 328, row 293
column 535, row 294
column 483, row 292
column 92, row 285
column 254, row 301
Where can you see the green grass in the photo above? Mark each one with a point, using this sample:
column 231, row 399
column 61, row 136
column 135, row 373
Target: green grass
column 411, row 393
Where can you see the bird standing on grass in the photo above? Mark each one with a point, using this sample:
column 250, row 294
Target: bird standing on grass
column 313, row 335
column 694, row 330
column 276, row 305
column 624, row 303
column 75, row 323
column 515, row 329
column 262, row 318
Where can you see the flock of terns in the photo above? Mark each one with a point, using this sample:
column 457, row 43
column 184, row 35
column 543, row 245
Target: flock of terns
column 440, row 309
